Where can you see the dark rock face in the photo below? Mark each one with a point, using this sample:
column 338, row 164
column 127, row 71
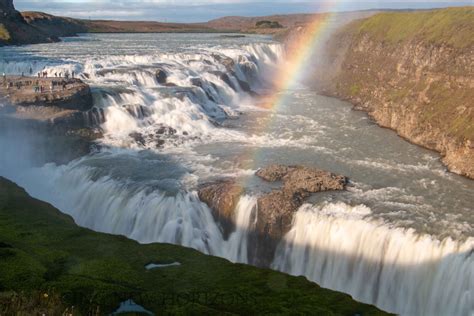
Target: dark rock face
column 275, row 210
column 6, row 7
column 161, row 76
column 166, row 130
column 138, row 138
column 15, row 30
column 227, row 62
column 222, row 197
column 53, row 26
column 34, row 27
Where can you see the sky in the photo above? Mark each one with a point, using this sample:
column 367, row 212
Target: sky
column 205, row 10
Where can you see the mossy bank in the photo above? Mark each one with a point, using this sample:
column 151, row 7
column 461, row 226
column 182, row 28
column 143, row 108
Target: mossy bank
column 48, row 265
column 412, row 72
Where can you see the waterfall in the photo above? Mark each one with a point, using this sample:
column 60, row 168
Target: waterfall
column 236, row 247
column 341, row 248
column 338, row 246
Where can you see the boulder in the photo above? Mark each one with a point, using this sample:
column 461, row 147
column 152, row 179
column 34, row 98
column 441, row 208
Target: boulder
column 138, row 138
column 165, row 130
column 227, row 62
column 302, row 180
column 222, row 197
column 161, row 76
column 275, row 210
column 273, row 172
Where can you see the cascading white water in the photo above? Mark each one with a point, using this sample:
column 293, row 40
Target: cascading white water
column 236, row 247
column 338, row 247
column 151, row 198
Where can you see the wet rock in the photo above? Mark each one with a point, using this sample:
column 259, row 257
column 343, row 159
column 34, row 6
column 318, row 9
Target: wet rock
column 200, row 84
column 227, row 62
column 138, row 138
column 165, row 130
column 275, row 214
column 301, row 180
column 197, row 82
column 273, row 173
column 159, row 142
column 222, row 197
column 275, row 210
column 225, row 77
column 87, row 133
column 72, row 94
column 244, row 86
column 161, row 76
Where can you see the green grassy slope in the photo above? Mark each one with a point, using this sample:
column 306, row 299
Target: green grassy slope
column 43, row 252
column 413, row 72
column 4, row 34
column 453, row 26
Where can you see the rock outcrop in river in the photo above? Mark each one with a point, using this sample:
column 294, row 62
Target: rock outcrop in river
column 413, row 73
column 60, row 108
column 275, row 210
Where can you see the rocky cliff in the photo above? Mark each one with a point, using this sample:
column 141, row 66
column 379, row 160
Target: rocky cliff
column 54, row 26
column 412, row 72
column 275, row 210
column 34, row 27
column 15, row 30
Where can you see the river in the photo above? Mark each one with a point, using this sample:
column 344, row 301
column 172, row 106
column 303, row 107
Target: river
column 401, row 237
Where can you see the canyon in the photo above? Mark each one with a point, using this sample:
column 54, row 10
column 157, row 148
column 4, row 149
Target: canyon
column 411, row 72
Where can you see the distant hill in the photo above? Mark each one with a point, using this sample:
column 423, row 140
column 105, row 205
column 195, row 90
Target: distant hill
column 53, row 25
column 106, row 26
column 36, row 27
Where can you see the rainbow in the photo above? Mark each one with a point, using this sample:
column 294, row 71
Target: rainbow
column 299, row 51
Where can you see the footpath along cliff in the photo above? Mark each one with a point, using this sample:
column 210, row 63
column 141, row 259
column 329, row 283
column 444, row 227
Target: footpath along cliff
column 412, row 72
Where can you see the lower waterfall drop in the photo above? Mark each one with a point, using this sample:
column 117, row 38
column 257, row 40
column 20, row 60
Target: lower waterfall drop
column 338, row 247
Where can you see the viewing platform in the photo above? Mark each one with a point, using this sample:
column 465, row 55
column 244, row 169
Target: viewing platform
column 63, row 93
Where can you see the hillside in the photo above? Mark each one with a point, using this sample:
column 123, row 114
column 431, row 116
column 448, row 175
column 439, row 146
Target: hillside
column 53, row 25
column 104, row 26
column 288, row 21
column 37, row 27
column 14, row 30
column 49, row 264
column 412, row 72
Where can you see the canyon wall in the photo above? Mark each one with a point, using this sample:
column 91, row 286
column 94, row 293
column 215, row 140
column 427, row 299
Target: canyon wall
column 412, row 72
column 14, row 30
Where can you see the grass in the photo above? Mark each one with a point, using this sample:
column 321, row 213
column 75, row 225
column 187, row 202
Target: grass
column 355, row 89
column 4, row 34
column 48, row 265
column 453, row 26
column 439, row 96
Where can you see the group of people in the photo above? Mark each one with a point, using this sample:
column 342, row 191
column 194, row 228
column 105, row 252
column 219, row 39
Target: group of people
column 37, row 85
column 40, row 88
column 44, row 74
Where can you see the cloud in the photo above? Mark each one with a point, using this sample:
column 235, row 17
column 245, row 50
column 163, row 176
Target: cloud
column 204, row 10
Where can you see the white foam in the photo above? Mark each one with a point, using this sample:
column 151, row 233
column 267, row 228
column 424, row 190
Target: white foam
column 340, row 247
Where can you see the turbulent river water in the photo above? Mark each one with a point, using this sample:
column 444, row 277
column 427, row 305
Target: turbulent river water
column 401, row 237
